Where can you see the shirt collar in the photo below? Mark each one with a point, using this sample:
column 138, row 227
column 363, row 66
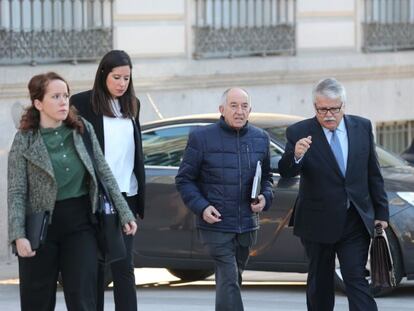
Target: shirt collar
column 227, row 127
column 341, row 127
column 116, row 108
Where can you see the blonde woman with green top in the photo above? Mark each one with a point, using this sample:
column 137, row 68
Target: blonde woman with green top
column 49, row 169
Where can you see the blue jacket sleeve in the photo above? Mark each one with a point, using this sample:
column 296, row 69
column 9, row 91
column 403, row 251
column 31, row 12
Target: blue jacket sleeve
column 187, row 179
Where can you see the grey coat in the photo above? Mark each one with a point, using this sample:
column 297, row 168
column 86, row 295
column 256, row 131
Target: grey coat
column 32, row 186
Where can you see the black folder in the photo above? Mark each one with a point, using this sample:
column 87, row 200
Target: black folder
column 36, row 228
column 256, row 186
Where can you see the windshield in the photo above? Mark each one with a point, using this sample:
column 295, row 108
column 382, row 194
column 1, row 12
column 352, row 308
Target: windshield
column 388, row 159
column 278, row 134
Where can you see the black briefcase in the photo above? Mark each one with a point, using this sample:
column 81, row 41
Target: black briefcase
column 382, row 268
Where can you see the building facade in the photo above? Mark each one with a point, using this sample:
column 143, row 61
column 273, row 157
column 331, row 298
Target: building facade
column 187, row 52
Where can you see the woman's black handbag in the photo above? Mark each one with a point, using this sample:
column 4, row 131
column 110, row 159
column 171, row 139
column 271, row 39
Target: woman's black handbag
column 382, row 269
column 109, row 231
column 36, row 230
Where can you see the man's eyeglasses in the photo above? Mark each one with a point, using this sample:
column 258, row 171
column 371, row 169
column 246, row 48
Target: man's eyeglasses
column 323, row 111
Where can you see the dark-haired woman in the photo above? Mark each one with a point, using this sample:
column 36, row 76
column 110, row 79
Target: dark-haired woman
column 113, row 110
column 49, row 169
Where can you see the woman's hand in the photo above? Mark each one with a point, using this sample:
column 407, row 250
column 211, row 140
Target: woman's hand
column 24, row 249
column 130, row 228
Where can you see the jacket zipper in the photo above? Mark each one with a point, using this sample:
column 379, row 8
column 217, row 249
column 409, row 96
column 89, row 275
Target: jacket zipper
column 248, row 155
column 240, row 178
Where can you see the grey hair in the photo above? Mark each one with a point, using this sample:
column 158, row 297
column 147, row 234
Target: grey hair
column 329, row 88
column 226, row 92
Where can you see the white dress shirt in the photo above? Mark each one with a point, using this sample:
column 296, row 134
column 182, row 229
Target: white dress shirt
column 120, row 149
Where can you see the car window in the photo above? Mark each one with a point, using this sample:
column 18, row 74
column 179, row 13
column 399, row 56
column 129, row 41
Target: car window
column 165, row 147
column 275, row 155
column 278, row 133
column 388, row 159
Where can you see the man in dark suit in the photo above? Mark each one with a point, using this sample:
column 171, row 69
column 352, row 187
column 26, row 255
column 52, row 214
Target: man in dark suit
column 341, row 196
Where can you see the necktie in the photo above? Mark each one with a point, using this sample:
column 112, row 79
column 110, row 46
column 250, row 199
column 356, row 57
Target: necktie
column 337, row 151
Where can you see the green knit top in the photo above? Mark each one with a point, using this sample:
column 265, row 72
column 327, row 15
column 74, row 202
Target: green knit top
column 70, row 173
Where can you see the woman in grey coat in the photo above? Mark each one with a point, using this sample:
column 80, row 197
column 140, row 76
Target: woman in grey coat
column 49, row 169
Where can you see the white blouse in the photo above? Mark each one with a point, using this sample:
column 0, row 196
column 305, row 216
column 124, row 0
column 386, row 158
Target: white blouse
column 120, row 149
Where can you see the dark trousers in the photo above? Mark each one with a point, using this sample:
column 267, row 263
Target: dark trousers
column 70, row 249
column 230, row 252
column 352, row 253
column 123, row 276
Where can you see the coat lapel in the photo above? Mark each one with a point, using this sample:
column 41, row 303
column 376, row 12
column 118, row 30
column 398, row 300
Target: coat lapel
column 321, row 145
column 38, row 155
column 352, row 132
column 99, row 131
column 97, row 123
column 83, row 154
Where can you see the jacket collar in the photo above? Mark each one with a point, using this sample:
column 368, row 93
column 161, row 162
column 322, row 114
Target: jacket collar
column 37, row 154
column 83, row 152
column 320, row 143
column 222, row 123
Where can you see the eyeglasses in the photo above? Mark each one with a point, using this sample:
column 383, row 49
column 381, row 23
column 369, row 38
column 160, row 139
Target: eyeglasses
column 323, row 111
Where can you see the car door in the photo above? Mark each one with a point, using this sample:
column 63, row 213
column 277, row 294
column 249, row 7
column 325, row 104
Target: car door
column 277, row 247
column 167, row 220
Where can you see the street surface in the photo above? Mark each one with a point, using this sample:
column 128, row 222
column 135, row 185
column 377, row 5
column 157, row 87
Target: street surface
column 157, row 290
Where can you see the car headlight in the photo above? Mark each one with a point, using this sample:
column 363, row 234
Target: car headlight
column 407, row 196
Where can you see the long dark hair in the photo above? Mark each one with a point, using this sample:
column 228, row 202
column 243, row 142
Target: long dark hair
column 101, row 98
column 37, row 89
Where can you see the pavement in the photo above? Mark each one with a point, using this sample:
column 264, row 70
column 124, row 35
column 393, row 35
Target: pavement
column 159, row 290
column 9, row 274
column 9, row 269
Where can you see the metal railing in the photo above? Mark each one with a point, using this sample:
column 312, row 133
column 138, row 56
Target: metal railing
column 227, row 28
column 388, row 25
column 395, row 136
column 33, row 31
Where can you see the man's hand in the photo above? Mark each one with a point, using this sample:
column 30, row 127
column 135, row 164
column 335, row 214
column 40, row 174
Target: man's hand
column 24, row 249
column 259, row 206
column 384, row 224
column 302, row 145
column 211, row 215
column 130, row 228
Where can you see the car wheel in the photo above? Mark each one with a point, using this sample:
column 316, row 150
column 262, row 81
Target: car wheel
column 191, row 275
column 398, row 268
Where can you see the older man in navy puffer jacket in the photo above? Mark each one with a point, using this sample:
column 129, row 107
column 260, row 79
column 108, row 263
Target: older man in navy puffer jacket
column 215, row 181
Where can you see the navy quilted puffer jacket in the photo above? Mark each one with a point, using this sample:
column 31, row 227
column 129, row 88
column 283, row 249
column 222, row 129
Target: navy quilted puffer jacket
column 218, row 167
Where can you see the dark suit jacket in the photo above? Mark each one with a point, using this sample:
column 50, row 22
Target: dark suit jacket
column 82, row 102
column 324, row 194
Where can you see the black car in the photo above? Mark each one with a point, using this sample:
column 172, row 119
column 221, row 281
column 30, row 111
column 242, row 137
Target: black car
column 167, row 238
